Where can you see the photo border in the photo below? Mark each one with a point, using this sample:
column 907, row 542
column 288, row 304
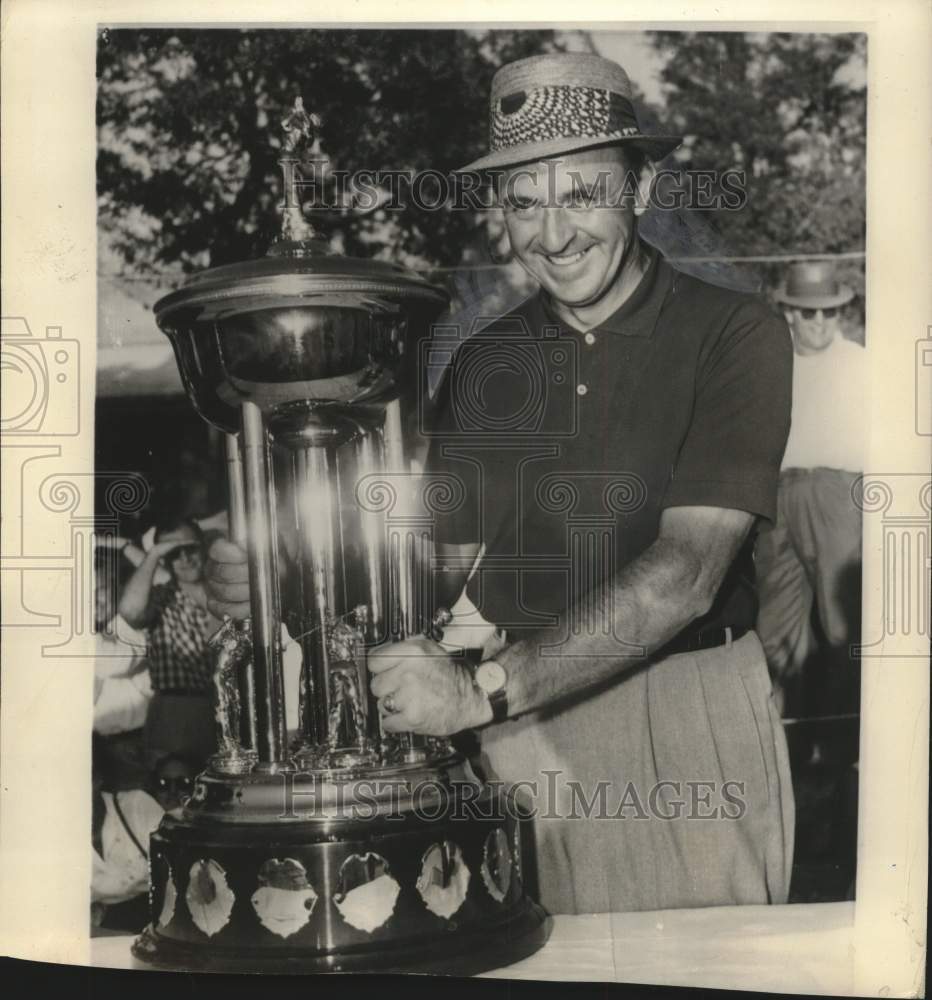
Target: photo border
column 49, row 279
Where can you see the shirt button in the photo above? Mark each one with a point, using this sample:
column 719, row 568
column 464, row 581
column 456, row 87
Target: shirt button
column 581, row 390
column 590, row 338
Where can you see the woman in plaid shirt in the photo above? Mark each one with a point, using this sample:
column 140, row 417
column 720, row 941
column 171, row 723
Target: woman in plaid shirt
column 177, row 624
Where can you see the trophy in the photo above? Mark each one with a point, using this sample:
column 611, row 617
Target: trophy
column 332, row 847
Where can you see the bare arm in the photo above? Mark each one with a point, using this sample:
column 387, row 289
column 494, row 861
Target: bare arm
column 670, row 585
column 134, row 553
column 136, row 599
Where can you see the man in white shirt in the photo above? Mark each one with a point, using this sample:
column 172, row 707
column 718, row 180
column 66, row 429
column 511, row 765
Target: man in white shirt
column 811, row 559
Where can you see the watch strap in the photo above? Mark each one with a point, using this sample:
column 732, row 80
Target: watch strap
column 499, row 702
column 498, row 698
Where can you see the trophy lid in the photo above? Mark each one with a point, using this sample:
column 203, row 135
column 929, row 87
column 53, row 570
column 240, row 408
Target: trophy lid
column 280, row 280
column 301, row 323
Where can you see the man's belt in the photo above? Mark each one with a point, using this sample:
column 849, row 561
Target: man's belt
column 686, row 642
column 704, row 638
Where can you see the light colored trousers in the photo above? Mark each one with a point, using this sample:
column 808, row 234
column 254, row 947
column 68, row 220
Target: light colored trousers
column 689, row 758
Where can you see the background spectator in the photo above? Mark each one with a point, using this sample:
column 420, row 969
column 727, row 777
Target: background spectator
column 172, row 780
column 178, row 624
column 122, row 689
column 120, row 827
column 808, row 564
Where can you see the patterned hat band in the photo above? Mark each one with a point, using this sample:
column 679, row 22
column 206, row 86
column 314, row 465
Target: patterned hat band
column 560, row 112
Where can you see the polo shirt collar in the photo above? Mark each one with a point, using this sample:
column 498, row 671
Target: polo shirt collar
column 637, row 315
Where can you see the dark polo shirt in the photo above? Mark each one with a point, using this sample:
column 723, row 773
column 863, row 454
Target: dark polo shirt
column 566, row 447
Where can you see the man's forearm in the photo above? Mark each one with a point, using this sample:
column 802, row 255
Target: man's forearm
column 647, row 604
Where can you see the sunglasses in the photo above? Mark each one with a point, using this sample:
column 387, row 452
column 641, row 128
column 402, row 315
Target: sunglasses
column 811, row 313
column 190, row 550
column 181, row 782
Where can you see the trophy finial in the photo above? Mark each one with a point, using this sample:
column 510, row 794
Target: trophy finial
column 300, row 130
column 300, row 148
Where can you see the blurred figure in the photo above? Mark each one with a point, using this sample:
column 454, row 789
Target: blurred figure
column 808, row 564
column 121, row 677
column 173, row 780
column 175, row 616
column 122, row 689
column 121, row 823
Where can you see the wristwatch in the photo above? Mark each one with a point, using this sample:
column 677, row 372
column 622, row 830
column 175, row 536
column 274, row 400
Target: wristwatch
column 490, row 678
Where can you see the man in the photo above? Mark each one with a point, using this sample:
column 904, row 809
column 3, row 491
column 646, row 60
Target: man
column 617, row 438
column 811, row 558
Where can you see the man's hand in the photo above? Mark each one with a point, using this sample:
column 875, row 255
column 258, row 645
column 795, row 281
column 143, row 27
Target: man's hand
column 227, row 580
column 429, row 692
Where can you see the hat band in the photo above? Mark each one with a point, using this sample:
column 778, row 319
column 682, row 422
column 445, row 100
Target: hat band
column 560, row 112
column 802, row 289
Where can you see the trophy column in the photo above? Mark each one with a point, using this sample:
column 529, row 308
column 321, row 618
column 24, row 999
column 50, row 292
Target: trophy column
column 263, row 591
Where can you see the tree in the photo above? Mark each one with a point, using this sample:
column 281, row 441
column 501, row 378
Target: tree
column 789, row 110
column 189, row 134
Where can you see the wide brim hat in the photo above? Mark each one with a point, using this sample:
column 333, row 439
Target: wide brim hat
column 813, row 285
column 561, row 103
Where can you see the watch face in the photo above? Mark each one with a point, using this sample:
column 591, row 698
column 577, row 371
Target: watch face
column 490, row 676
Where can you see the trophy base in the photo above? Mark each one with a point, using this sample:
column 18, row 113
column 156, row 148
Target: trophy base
column 459, row 954
column 427, row 879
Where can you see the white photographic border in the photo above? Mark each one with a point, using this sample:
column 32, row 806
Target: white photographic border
column 49, row 278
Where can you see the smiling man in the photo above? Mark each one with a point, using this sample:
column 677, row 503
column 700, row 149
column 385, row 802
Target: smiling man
column 585, row 255
column 618, row 438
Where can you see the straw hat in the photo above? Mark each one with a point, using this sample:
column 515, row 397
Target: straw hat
column 560, row 103
column 813, row 285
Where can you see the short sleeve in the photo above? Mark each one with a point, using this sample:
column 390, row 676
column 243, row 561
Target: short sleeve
column 732, row 451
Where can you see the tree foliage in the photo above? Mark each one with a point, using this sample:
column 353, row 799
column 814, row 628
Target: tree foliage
column 189, row 125
column 790, row 110
column 189, row 133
